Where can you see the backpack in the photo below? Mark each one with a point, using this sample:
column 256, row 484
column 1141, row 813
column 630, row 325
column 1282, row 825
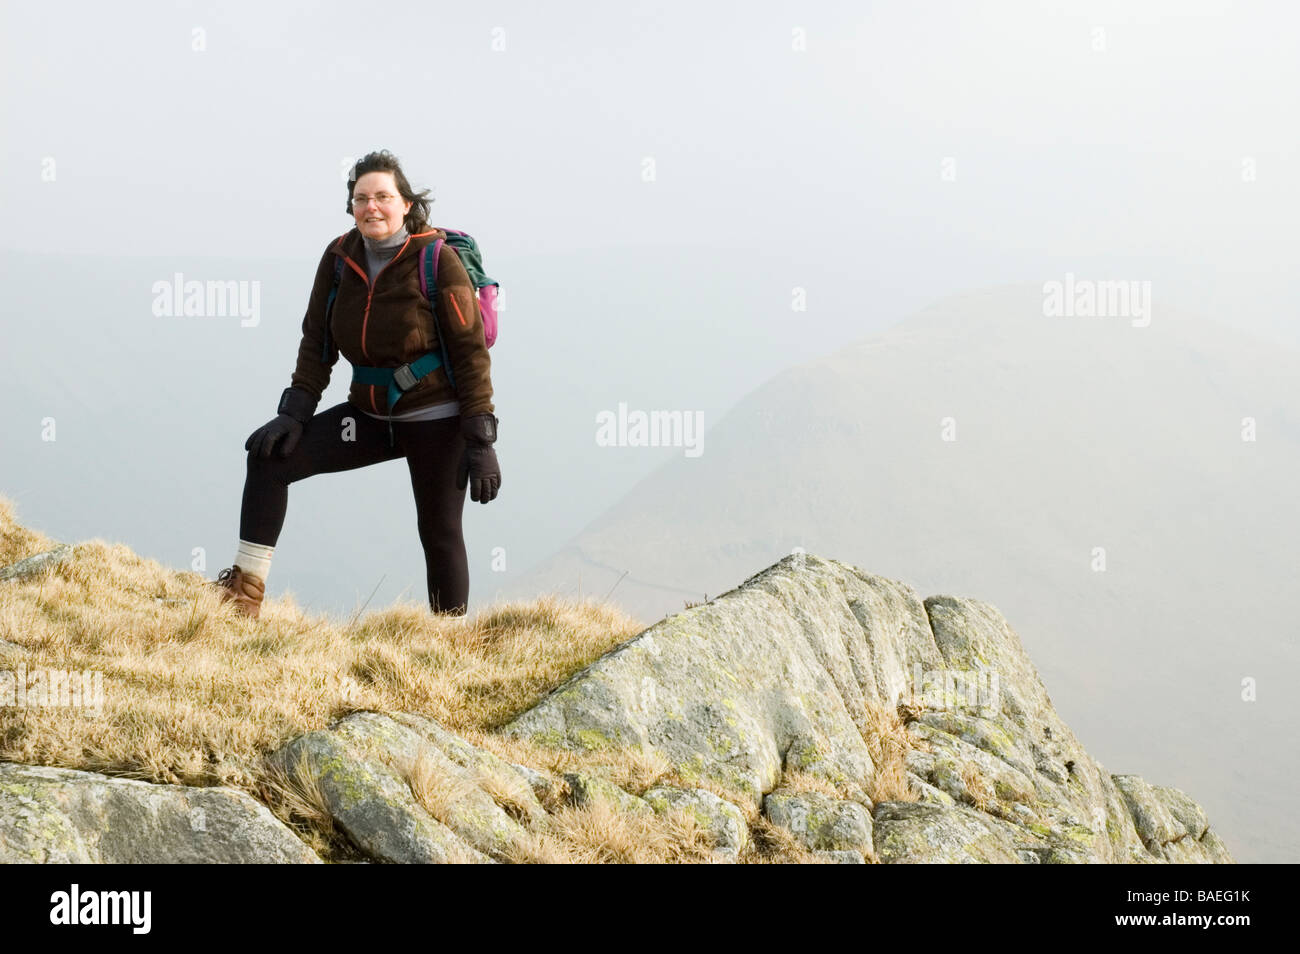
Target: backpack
column 470, row 257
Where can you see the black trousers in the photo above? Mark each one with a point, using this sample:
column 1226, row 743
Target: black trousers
column 330, row 443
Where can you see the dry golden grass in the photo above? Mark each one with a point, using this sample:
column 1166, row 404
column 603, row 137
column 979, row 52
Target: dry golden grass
column 196, row 694
column 888, row 743
column 296, row 799
column 438, row 791
column 977, row 786
column 506, row 796
column 774, row 845
column 17, row 541
column 599, row 834
column 797, row 781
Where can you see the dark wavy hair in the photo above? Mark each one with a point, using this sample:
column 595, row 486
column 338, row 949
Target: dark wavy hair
column 417, row 220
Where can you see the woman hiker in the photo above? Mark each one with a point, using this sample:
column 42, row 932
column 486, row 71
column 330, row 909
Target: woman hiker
column 380, row 321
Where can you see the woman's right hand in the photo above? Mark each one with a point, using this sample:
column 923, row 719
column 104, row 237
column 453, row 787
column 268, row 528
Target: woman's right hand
column 295, row 410
column 284, row 430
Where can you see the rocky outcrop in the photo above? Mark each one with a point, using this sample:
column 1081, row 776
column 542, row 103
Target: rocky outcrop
column 1170, row 824
column 405, row 790
column 781, row 674
column 766, row 701
column 62, row 815
column 774, row 675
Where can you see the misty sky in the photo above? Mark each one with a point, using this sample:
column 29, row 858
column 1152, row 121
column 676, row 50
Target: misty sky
column 876, row 157
column 531, row 123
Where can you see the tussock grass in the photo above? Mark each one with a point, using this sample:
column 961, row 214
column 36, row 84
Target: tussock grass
column 17, row 541
column 194, row 693
column 294, row 796
column 888, row 743
column 599, row 834
column 978, row 787
column 439, row 791
column 774, row 845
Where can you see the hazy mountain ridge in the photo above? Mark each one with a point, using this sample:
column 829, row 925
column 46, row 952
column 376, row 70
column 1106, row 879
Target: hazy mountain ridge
column 1070, row 434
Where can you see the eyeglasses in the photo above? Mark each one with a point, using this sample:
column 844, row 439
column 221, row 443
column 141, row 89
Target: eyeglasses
column 383, row 198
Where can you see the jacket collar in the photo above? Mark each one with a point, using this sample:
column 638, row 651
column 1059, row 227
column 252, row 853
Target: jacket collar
column 351, row 245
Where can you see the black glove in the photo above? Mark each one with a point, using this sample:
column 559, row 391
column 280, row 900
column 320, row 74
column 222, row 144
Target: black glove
column 479, row 459
column 295, row 410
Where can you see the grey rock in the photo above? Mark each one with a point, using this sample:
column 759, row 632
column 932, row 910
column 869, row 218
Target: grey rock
column 586, row 790
column 67, row 816
column 371, row 803
column 1189, row 817
column 820, row 822
column 1172, row 826
column 724, row 820
column 841, row 857
column 368, row 767
column 1076, row 812
column 32, row 565
column 1154, row 823
column 545, row 786
column 773, row 675
column 482, row 768
column 925, row 792
column 952, row 760
column 917, row 833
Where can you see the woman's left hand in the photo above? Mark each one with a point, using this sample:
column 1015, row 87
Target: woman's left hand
column 478, row 465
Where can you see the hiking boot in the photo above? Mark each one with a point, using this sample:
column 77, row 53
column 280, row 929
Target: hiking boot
column 243, row 589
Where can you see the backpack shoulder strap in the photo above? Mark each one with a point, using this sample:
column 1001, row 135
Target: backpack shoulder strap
column 327, row 345
column 429, row 285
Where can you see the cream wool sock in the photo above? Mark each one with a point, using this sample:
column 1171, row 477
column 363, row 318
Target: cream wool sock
column 254, row 559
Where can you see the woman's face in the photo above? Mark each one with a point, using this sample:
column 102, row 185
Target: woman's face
column 378, row 220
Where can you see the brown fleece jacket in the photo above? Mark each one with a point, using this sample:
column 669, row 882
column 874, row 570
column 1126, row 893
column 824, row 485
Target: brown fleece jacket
column 388, row 323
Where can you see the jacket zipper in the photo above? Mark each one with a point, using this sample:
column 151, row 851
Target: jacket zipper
column 370, row 291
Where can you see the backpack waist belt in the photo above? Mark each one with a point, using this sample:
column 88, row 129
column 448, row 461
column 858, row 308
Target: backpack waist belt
column 398, row 380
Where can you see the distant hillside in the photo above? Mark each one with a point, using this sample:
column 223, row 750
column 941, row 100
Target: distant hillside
column 1071, row 434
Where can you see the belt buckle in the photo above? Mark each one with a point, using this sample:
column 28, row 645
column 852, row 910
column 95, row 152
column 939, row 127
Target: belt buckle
column 404, row 377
